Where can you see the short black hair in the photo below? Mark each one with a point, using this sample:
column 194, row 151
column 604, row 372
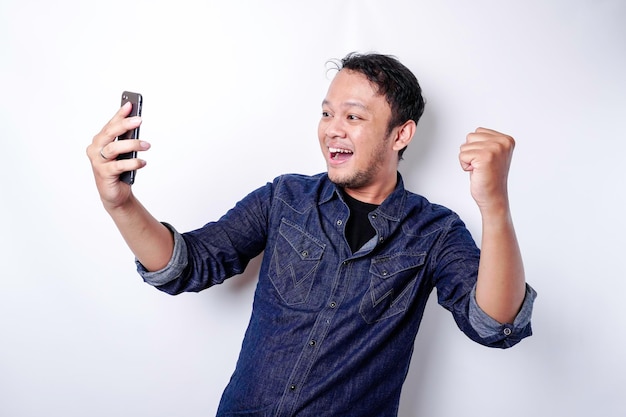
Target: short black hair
column 394, row 81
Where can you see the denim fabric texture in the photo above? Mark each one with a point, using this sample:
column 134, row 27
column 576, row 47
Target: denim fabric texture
column 332, row 332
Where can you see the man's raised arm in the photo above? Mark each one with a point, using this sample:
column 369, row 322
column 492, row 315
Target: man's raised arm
column 501, row 285
column 150, row 241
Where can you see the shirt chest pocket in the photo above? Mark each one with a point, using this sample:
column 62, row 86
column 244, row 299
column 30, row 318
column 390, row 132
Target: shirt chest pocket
column 392, row 279
column 295, row 259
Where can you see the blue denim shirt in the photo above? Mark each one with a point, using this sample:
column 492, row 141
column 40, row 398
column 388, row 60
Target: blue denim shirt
column 332, row 332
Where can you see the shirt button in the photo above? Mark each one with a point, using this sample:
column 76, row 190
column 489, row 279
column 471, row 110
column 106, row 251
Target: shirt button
column 333, row 304
column 304, row 253
column 507, row 331
column 292, row 387
column 373, row 216
column 339, row 222
column 312, row 343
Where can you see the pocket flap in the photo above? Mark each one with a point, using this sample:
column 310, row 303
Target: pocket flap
column 389, row 266
column 301, row 242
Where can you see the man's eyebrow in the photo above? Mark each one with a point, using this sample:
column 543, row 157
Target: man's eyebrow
column 348, row 104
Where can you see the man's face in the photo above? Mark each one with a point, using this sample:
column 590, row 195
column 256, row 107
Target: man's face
column 353, row 135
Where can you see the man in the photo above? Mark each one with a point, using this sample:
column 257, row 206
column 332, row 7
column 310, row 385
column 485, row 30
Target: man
column 350, row 256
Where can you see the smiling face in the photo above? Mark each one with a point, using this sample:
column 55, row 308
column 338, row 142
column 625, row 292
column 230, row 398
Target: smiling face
column 361, row 153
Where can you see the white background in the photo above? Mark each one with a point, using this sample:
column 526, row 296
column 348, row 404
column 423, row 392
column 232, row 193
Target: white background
column 232, row 98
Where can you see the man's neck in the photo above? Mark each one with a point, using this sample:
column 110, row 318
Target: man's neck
column 372, row 194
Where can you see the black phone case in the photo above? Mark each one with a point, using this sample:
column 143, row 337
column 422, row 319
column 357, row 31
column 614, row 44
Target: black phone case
column 137, row 100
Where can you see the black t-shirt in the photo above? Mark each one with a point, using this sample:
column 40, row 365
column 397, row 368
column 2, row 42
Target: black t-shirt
column 359, row 230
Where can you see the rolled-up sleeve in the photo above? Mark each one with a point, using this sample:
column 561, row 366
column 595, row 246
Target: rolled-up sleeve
column 488, row 328
column 174, row 267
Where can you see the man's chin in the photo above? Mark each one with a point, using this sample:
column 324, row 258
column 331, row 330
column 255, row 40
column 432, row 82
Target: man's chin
column 344, row 181
column 338, row 180
column 335, row 174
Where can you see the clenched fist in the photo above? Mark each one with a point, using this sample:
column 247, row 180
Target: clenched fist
column 487, row 155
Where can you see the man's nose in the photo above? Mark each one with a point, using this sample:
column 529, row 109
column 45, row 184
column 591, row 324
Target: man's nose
column 335, row 128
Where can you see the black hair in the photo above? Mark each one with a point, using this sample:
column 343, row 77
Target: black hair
column 394, row 81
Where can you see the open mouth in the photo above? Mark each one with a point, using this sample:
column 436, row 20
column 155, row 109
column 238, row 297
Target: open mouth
column 338, row 154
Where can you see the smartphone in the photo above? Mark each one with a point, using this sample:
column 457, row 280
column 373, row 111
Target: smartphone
column 137, row 101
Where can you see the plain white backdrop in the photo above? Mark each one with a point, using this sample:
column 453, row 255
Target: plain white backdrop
column 232, row 96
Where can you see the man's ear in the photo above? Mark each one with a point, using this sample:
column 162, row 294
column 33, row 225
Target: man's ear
column 404, row 135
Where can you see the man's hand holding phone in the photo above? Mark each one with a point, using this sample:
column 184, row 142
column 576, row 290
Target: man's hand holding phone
column 110, row 159
column 150, row 241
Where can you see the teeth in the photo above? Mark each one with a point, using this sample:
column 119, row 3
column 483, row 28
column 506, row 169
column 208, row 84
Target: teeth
column 338, row 150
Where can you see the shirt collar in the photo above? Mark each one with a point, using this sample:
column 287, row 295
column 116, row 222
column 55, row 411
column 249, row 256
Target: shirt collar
column 392, row 208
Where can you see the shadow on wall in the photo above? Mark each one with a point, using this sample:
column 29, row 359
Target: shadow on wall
column 418, row 151
column 412, row 401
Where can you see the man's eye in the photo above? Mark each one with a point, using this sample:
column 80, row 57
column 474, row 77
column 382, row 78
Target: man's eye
column 353, row 117
column 325, row 114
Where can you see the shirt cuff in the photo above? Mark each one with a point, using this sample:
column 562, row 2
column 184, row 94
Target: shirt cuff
column 174, row 267
column 487, row 327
